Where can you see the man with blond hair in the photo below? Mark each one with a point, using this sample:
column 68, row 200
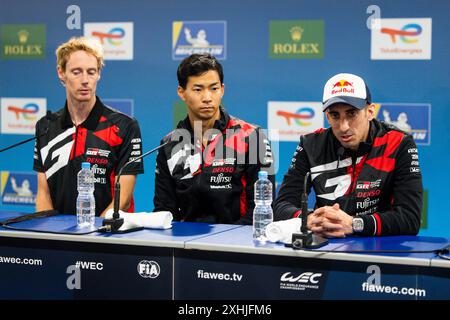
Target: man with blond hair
column 84, row 130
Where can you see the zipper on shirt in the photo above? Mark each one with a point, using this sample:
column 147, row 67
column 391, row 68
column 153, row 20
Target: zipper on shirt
column 352, row 185
column 75, row 142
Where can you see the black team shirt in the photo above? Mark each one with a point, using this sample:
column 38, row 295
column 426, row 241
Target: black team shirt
column 107, row 139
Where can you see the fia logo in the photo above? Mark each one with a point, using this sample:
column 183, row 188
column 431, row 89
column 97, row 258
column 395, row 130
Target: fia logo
column 148, row 269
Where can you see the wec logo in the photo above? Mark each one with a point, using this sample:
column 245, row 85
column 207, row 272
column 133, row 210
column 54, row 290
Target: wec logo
column 305, row 277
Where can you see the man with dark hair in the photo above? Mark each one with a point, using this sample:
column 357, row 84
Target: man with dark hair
column 208, row 167
column 365, row 173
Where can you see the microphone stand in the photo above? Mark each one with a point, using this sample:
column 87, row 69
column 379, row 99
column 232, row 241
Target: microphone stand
column 49, row 116
column 306, row 239
column 113, row 224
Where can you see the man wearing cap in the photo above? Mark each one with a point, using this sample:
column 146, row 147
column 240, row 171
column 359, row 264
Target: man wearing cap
column 365, row 173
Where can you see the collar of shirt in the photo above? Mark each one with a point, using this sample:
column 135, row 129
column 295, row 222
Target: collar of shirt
column 364, row 147
column 220, row 124
column 92, row 120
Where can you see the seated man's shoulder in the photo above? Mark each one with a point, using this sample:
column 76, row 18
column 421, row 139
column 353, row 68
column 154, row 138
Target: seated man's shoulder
column 236, row 123
column 318, row 135
column 116, row 116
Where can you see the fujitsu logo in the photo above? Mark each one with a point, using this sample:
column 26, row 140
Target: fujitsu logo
column 220, row 178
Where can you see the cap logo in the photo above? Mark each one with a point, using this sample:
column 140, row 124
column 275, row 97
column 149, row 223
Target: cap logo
column 342, row 83
column 342, row 87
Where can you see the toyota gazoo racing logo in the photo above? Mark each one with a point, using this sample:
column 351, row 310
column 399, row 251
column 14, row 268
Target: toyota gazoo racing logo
column 368, row 185
column 148, row 269
column 97, row 152
column 306, row 280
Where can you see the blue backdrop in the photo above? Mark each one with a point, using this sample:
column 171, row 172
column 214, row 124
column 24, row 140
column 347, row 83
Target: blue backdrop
column 252, row 77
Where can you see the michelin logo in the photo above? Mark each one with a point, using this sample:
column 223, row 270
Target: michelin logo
column 199, row 37
column 18, row 188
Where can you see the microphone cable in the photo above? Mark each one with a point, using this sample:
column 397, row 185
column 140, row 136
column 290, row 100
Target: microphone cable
column 444, row 253
column 50, row 116
column 43, row 214
column 101, row 229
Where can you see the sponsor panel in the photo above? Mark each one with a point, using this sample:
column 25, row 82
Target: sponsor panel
column 190, row 37
column 19, row 115
column 23, row 41
column 116, row 38
column 413, row 118
column 354, row 280
column 402, row 39
column 220, row 275
column 293, row 119
column 296, row 39
column 18, row 188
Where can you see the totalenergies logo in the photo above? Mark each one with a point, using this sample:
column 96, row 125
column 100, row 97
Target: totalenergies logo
column 342, row 86
column 28, row 111
column 299, row 116
column 409, row 30
column 111, row 36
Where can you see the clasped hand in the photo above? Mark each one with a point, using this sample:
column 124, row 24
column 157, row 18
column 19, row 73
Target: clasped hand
column 330, row 222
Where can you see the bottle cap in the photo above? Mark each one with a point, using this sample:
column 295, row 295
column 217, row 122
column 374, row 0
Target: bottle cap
column 262, row 175
column 85, row 165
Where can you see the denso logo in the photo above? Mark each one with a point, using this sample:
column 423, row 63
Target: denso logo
column 223, row 170
column 372, row 193
column 97, row 160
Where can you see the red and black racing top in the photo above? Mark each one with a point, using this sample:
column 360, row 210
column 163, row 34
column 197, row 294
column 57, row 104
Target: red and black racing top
column 213, row 184
column 380, row 182
column 107, row 139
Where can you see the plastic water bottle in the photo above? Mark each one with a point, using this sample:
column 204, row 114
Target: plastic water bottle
column 85, row 199
column 262, row 213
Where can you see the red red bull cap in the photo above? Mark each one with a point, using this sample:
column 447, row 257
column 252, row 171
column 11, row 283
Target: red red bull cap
column 346, row 88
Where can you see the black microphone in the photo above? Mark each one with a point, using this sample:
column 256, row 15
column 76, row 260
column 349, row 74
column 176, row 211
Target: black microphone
column 50, row 116
column 113, row 225
column 306, row 239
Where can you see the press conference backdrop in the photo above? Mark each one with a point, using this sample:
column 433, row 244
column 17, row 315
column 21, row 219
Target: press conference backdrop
column 276, row 56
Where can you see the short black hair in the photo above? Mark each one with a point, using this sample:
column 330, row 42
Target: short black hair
column 195, row 65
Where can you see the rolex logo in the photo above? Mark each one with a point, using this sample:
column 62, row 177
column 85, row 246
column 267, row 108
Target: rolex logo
column 23, row 36
column 296, row 39
column 296, row 33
